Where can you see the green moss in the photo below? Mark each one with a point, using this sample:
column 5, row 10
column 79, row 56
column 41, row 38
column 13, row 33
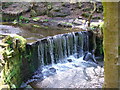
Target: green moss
column 36, row 26
column 11, row 39
column 22, row 43
column 36, row 18
column 45, row 20
column 101, row 25
column 12, row 72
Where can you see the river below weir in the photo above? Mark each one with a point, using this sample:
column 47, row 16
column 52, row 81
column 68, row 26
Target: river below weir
column 75, row 74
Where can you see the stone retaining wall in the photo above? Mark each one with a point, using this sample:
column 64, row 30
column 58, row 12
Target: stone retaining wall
column 12, row 47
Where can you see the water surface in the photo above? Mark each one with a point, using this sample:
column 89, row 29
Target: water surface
column 32, row 32
column 75, row 74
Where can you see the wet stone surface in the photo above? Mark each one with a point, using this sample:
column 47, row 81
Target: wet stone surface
column 86, row 75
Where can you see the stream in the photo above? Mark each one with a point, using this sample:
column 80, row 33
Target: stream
column 60, row 55
column 32, row 32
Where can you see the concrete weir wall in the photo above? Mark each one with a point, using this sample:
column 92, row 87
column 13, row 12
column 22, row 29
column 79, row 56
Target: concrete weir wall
column 12, row 49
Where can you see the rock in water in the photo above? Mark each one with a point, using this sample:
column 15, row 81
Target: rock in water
column 49, row 72
column 69, row 60
column 89, row 56
column 39, row 76
column 53, row 70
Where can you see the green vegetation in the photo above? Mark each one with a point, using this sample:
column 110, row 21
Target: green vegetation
column 36, row 18
column 45, row 20
column 11, row 73
column 37, row 26
column 23, row 19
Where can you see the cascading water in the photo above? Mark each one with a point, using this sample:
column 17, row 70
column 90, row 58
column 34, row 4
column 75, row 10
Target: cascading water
column 55, row 49
column 60, row 52
column 56, row 54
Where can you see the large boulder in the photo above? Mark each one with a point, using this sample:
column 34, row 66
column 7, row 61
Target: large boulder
column 58, row 11
column 89, row 57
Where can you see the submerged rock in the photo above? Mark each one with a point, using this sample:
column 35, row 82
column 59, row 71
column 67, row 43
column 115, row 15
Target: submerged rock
column 53, row 70
column 38, row 76
column 76, row 65
column 49, row 72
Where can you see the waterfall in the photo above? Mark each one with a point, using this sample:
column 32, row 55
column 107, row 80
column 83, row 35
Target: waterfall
column 51, row 50
column 55, row 49
column 86, row 41
column 41, row 53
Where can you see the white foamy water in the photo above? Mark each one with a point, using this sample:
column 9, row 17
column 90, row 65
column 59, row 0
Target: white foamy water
column 62, row 67
column 70, row 75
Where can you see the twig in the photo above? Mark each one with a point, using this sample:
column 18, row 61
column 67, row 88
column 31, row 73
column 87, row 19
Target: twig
column 90, row 16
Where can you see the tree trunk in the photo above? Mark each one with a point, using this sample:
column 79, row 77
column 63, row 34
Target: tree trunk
column 110, row 44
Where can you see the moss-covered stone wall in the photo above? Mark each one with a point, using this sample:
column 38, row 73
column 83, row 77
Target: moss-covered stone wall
column 16, row 63
column 12, row 47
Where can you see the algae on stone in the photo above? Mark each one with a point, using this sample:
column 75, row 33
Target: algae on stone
column 11, row 49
